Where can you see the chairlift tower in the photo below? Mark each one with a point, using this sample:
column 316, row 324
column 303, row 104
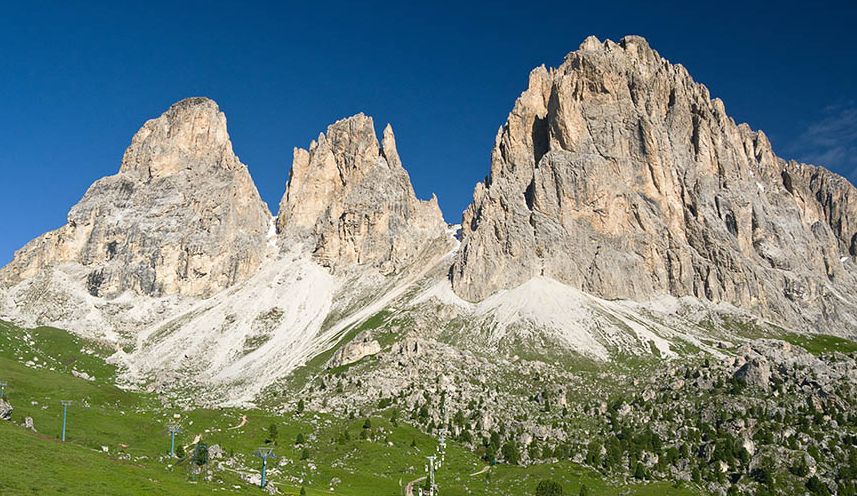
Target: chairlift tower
column 173, row 429
column 441, row 448
column 264, row 453
column 431, row 468
column 65, row 404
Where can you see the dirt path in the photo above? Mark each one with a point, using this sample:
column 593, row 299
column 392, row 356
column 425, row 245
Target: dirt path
column 484, row 469
column 196, row 439
column 409, row 489
column 242, row 424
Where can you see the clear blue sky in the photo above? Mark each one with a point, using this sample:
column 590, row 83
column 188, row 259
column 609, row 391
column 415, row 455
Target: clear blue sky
column 77, row 79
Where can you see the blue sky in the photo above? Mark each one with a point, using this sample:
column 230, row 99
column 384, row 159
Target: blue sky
column 77, row 79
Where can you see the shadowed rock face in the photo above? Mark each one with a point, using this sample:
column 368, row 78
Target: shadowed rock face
column 618, row 174
column 182, row 216
column 351, row 202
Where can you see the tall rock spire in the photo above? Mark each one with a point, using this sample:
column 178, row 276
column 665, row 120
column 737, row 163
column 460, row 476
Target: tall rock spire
column 351, row 202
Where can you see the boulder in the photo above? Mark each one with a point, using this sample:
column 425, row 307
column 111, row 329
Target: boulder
column 5, row 409
column 360, row 347
column 29, row 424
column 215, row 452
column 755, row 373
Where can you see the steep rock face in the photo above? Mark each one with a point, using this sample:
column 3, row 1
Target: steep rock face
column 351, row 201
column 182, row 216
column 618, row 174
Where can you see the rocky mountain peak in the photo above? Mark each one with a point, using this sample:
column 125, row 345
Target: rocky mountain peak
column 351, row 202
column 618, row 174
column 191, row 134
column 182, row 216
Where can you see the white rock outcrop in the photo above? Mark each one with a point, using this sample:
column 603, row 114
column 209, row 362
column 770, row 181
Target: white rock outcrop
column 355, row 350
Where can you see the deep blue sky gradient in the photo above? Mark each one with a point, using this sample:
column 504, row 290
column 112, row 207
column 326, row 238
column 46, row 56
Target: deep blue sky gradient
column 77, row 79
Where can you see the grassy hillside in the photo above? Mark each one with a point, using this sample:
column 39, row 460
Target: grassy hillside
column 338, row 454
column 821, row 343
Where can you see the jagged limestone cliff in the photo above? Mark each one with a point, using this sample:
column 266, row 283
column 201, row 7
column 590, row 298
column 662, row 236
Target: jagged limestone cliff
column 618, row 174
column 351, row 201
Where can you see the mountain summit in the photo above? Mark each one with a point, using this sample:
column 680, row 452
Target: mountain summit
column 618, row 174
column 182, row 216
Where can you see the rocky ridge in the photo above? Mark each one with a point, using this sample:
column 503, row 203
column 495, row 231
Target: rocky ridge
column 624, row 212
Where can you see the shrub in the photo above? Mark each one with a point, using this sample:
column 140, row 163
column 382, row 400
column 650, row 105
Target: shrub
column 817, row 487
column 548, row 488
column 510, row 453
column 200, row 454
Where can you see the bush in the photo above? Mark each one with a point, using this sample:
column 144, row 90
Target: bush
column 200, row 454
column 762, row 475
column 343, row 438
column 639, row 471
column 510, row 453
column 817, row 487
column 548, row 488
column 273, row 432
column 800, row 469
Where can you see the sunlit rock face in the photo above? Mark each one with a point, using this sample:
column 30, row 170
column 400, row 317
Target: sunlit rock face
column 618, row 174
column 352, row 203
column 182, row 216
